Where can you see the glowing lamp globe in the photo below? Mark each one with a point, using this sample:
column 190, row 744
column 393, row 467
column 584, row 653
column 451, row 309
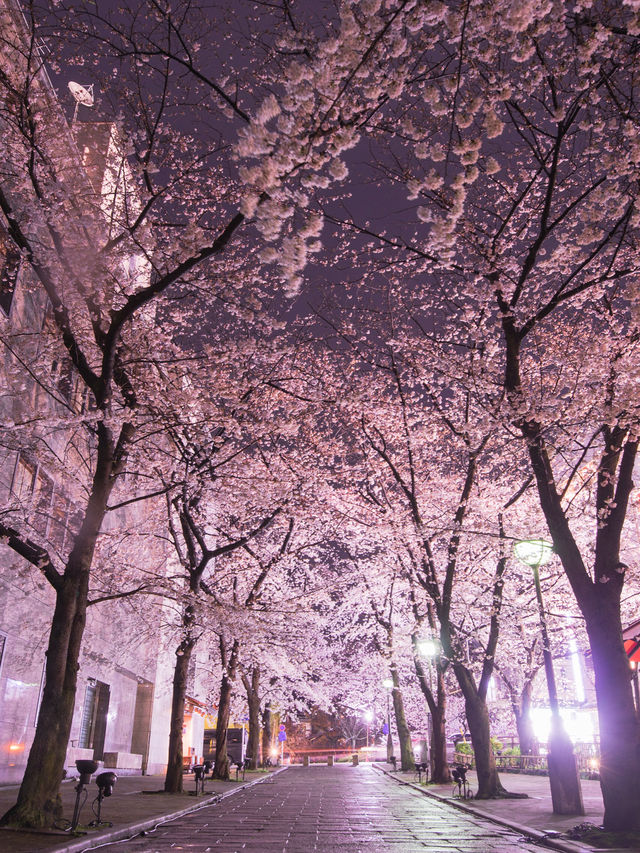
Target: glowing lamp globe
column 533, row 552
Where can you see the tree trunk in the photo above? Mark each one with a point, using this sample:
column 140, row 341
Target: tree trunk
column 267, row 732
column 221, row 766
column 489, row 785
column 407, row 758
column 175, row 768
column 440, row 771
column 524, row 725
column 253, row 701
column 38, row 804
column 619, row 730
column 597, row 592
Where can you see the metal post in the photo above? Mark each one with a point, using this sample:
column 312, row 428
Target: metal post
column 636, row 686
column 389, row 738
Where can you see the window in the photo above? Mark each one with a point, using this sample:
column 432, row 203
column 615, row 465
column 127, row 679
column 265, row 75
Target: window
column 43, row 494
column 59, row 515
column 62, row 374
column 93, row 725
column 23, row 479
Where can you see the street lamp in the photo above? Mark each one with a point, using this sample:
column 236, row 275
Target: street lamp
column 428, row 649
column 388, row 685
column 566, row 793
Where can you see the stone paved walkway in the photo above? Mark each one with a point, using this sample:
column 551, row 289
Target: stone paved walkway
column 329, row 809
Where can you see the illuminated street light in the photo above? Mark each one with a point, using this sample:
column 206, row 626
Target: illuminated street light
column 429, row 650
column 566, row 793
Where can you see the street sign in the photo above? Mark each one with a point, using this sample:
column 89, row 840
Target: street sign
column 385, row 729
column 282, row 735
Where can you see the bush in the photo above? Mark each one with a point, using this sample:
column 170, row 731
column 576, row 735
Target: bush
column 511, row 750
column 496, row 745
column 464, row 748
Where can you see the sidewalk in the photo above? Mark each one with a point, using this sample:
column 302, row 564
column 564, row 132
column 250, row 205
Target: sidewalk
column 532, row 816
column 137, row 803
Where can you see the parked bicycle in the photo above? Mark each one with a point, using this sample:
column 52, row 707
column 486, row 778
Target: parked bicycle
column 421, row 768
column 461, row 789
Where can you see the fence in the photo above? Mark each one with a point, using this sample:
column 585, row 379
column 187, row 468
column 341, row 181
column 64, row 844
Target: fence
column 318, row 756
column 587, row 759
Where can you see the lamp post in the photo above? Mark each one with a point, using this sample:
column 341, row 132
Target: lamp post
column 388, row 685
column 429, row 649
column 566, row 793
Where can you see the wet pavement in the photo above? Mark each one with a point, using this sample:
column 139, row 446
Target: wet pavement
column 329, row 809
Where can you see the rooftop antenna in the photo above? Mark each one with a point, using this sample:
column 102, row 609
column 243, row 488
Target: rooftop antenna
column 82, row 95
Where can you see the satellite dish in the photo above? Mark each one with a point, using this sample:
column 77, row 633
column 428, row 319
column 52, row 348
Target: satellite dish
column 82, row 95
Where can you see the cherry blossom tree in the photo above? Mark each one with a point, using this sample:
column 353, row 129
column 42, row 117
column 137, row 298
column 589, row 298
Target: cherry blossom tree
column 190, row 506
column 173, row 205
column 109, row 336
column 513, row 135
column 512, row 130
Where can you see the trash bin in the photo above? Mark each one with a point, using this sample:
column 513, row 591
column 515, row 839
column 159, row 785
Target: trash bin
column 355, row 759
column 329, row 760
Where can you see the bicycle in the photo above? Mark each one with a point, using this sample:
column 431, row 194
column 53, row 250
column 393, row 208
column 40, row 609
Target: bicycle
column 421, row 768
column 461, row 790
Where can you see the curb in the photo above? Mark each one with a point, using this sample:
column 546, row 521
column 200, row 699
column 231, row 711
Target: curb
column 84, row 844
column 565, row 845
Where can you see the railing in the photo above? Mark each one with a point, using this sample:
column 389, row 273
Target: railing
column 522, row 763
column 317, row 756
column 537, row 764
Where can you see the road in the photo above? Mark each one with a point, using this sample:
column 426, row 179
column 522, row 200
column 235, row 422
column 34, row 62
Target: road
column 328, row 809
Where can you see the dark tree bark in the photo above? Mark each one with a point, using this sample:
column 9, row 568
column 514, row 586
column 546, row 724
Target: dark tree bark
column 252, row 685
column 38, row 803
column 440, row 772
column 407, row 758
column 229, row 663
column 475, row 694
column 175, row 766
column 489, row 785
column 619, row 735
column 267, row 731
column 524, row 725
column 598, row 594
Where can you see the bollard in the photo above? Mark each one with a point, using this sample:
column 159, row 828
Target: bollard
column 355, row 759
column 305, row 760
column 329, row 760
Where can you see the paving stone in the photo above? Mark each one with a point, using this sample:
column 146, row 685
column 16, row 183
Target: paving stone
column 329, row 809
